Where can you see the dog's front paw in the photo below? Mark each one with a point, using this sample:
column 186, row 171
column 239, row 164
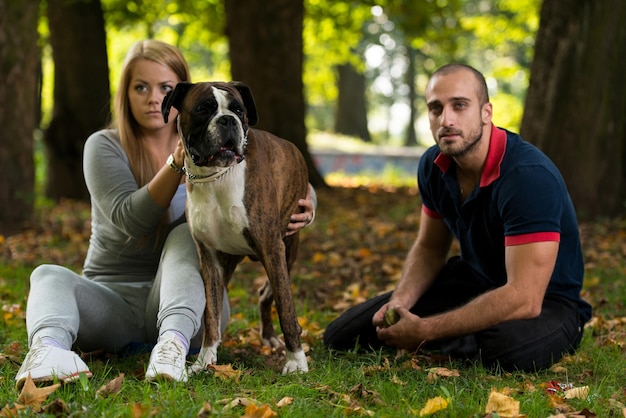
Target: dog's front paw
column 296, row 362
column 207, row 355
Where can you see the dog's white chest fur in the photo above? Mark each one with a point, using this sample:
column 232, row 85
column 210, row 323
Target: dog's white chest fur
column 216, row 212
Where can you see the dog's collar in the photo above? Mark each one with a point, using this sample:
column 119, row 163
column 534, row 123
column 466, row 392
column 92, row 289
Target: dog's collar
column 200, row 178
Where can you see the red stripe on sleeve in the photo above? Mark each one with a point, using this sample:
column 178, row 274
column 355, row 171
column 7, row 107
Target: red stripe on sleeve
column 534, row 237
column 429, row 212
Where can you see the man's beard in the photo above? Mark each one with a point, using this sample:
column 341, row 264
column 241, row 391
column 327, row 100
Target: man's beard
column 467, row 146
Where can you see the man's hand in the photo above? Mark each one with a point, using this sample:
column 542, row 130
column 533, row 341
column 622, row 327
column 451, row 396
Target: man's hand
column 408, row 333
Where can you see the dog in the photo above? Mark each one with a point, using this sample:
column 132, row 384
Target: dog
column 243, row 184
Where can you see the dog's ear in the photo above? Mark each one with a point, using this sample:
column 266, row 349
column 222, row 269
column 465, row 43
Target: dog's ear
column 174, row 98
column 248, row 101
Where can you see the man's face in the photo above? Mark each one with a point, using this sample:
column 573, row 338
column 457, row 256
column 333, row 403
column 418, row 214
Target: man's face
column 455, row 114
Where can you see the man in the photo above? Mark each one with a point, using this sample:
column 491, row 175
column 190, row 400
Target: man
column 512, row 298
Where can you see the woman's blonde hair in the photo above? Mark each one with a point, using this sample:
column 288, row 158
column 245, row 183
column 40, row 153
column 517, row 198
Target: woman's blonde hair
column 128, row 128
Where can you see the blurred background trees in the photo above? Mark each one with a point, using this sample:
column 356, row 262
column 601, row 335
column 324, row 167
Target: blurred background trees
column 354, row 68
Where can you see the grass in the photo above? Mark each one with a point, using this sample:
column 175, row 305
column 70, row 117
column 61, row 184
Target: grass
column 333, row 259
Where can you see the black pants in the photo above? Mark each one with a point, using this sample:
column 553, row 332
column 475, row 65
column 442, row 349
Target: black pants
column 528, row 344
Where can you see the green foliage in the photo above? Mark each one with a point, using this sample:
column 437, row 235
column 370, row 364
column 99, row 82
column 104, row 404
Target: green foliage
column 197, row 28
column 332, row 35
column 497, row 36
column 508, row 111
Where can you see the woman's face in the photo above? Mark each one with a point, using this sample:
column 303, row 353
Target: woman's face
column 149, row 84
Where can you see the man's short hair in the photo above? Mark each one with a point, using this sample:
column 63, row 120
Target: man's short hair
column 483, row 92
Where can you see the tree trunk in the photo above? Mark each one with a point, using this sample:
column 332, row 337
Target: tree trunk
column 411, row 82
column 81, row 92
column 351, row 116
column 19, row 55
column 575, row 109
column 265, row 46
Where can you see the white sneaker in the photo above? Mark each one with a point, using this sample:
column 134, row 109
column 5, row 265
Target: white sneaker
column 44, row 363
column 167, row 361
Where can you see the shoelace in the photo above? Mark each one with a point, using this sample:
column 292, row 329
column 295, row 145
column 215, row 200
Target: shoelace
column 34, row 357
column 169, row 353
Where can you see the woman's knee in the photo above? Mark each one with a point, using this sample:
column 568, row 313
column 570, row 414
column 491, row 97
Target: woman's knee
column 50, row 273
column 180, row 247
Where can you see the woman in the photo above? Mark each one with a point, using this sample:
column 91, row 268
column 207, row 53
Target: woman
column 141, row 280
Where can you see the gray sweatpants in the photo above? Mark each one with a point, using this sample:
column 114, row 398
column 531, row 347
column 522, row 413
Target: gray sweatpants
column 93, row 315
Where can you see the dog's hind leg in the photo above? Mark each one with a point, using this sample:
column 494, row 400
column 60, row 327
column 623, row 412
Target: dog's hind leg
column 268, row 333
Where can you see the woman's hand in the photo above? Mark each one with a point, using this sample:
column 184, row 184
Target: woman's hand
column 179, row 154
column 304, row 218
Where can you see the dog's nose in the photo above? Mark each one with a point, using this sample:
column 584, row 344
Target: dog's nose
column 229, row 127
column 227, row 121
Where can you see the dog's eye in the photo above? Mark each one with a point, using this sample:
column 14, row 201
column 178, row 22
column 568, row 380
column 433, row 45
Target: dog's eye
column 238, row 111
column 203, row 110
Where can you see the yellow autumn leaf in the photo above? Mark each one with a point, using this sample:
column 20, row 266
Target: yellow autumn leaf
column 433, row 405
column 503, row 405
column 363, row 252
column 577, row 393
column 318, row 257
column 264, row 411
column 225, row 372
column 138, row 410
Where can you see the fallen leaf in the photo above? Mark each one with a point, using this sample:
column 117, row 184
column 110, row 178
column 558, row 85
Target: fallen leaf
column 114, row 386
column 359, row 410
column 557, row 368
column 503, row 405
column 252, row 411
column 6, row 358
column 557, row 402
column 138, row 410
column 577, row 393
column 229, row 404
column 287, row 400
column 437, row 372
column 205, row 411
column 33, row 396
column 433, row 405
column 585, row 413
column 225, row 372
column 57, row 408
column 11, row 412
column 360, row 392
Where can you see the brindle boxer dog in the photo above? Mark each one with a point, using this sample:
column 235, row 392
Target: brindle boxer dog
column 242, row 186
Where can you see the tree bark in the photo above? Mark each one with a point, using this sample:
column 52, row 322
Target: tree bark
column 411, row 82
column 575, row 109
column 19, row 55
column 351, row 116
column 265, row 47
column 81, row 92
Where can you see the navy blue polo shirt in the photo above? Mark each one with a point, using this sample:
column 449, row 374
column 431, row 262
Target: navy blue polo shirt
column 521, row 198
